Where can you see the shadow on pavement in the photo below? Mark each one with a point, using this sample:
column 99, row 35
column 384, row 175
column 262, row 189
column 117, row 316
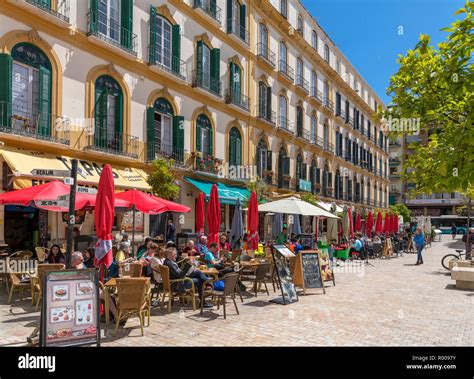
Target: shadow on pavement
column 453, row 287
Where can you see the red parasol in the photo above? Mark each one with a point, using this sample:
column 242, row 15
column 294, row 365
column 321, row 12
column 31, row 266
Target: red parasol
column 378, row 223
column 171, row 206
column 252, row 221
column 386, row 224
column 369, row 224
column 104, row 217
column 395, row 223
column 142, row 201
column 358, row 224
column 351, row 223
column 213, row 216
column 199, row 223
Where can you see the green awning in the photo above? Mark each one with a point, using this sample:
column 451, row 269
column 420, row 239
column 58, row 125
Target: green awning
column 227, row 194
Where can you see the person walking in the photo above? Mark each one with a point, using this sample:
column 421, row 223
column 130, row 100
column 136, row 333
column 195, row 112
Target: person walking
column 454, row 231
column 170, row 231
column 419, row 240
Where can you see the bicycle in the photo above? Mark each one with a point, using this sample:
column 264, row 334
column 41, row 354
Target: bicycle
column 449, row 257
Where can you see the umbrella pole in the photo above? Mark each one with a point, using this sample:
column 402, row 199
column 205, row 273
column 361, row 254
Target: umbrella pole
column 133, row 231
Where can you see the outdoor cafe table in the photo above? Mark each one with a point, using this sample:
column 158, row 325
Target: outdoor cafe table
column 111, row 284
column 211, row 272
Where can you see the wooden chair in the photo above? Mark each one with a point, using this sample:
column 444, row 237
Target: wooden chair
column 38, row 287
column 134, row 270
column 237, row 287
column 17, row 285
column 133, row 300
column 23, row 254
column 41, row 253
column 168, row 291
column 258, row 277
column 230, row 284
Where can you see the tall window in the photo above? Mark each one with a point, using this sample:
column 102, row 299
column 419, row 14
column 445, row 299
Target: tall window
column 283, row 112
column 109, row 19
column 163, row 42
column 314, row 129
column 108, row 114
column 326, row 53
column 263, row 41
column 282, row 57
column 283, row 168
column 300, row 170
column 338, row 67
column 264, row 158
column 30, row 90
column 299, row 71
column 326, row 136
column 314, row 40
column 208, row 68
column 314, row 84
column 299, row 121
column 204, row 137
column 236, row 19
column 236, row 82
column 300, row 24
column 326, row 93
column 284, row 8
column 264, row 101
column 235, row 147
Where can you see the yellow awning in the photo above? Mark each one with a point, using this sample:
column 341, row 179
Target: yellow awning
column 24, row 163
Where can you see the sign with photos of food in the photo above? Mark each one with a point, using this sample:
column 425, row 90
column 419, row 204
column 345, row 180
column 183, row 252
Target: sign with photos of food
column 70, row 309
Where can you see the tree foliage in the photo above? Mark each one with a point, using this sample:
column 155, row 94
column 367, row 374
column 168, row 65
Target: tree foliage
column 310, row 198
column 401, row 209
column 435, row 85
column 162, row 179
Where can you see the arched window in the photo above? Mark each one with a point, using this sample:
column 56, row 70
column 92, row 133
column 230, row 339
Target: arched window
column 283, row 169
column 30, row 90
column 204, row 136
column 326, row 93
column 315, row 177
column 265, row 102
column 299, row 121
column 314, row 84
column 314, row 129
column 300, row 170
column 283, row 57
column 235, row 147
column 314, row 40
column 299, row 72
column 326, row 136
column 108, row 113
column 300, row 25
column 263, row 51
column 326, row 182
column 264, row 159
column 283, row 112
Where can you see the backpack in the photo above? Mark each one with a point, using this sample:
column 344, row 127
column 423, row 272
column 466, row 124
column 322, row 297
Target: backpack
column 219, row 285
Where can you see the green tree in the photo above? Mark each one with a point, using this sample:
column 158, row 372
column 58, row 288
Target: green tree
column 260, row 188
column 401, row 209
column 162, row 179
column 310, row 198
column 435, row 86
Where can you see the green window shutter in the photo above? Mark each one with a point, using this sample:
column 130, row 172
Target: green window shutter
column 93, row 16
column 211, row 142
column 150, row 132
column 126, row 23
column 243, row 21
column 152, row 50
column 178, row 137
column 45, row 102
column 199, row 65
column 6, row 67
column 230, row 17
column 213, row 8
column 269, row 102
column 232, row 149
column 176, row 53
column 269, row 160
column 215, row 70
column 198, row 136
column 100, row 118
column 238, row 150
column 119, row 122
column 231, row 76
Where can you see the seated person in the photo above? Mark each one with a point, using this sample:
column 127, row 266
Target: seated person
column 201, row 246
column 154, row 259
column 176, row 273
column 77, row 261
column 218, row 264
column 89, row 255
column 293, row 238
column 223, row 244
column 358, row 247
column 190, row 249
column 143, row 248
column 146, row 259
column 298, row 246
column 55, row 255
column 122, row 255
column 282, row 237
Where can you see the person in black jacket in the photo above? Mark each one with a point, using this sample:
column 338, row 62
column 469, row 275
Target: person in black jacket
column 176, row 273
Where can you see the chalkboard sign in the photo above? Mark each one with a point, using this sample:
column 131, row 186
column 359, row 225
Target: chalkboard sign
column 280, row 254
column 311, row 270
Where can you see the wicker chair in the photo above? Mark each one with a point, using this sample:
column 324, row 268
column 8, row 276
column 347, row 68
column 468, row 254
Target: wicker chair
column 38, row 287
column 230, row 284
column 133, row 300
column 41, row 253
column 23, row 254
column 17, row 285
column 259, row 277
column 168, row 291
column 134, row 270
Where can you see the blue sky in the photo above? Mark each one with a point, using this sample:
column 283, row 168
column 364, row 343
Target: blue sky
column 366, row 31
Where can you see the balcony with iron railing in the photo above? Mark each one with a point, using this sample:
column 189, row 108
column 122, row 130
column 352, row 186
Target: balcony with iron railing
column 232, row 96
column 112, row 32
column 319, row 142
column 286, row 124
column 284, row 181
column 172, row 65
column 317, row 95
column 234, row 28
column 328, row 103
column 204, row 80
column 302, row 83
column 350, row 121
column 339, row 112
column 266, row 54
column 327, row 191
column 160, row 150
column 210, row 8
column 328, row 147
column 206, row 163
column 304, row 134
column 112, row 142
column 265, row 114
column 287, row 71
column 58, row 8
column 28, row 122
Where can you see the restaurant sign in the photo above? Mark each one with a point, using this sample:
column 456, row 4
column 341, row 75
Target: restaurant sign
column 305, row 185
column 70, row 314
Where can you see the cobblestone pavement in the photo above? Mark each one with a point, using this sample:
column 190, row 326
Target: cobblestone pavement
column 392, row 304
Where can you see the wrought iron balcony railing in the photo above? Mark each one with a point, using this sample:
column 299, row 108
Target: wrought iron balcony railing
column 234, row 27
column 210, row 8
column 173, row 65
column 350, row 121
column 304, row 134
column 315, row 94
column 319, row 142
column 112, row 32
column 204, row 80
column 113, row 142
column 302, row 83
column 59, row 8
column 328, row 147
column 286, row 70
column 286, row 124
column 264, row 114
column 206, row 163
column 264, row 52
column 29, row 122
column 328, row 103
column 161, row 150
column 233, row 96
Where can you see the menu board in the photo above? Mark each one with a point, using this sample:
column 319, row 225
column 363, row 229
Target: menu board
column 311, row 270
column 70, row 310
column 282, row 266
column 326, row 266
